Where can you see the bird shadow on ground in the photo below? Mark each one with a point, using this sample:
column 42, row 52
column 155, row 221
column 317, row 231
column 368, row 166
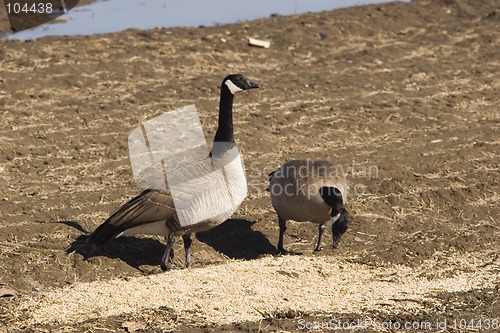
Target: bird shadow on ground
column 236, row 239
column 134, row 251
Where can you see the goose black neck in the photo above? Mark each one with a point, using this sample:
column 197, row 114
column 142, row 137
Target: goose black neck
column 225, row 130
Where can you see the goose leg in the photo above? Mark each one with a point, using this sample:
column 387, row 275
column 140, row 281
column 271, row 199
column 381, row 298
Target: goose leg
column 186, row 238
column 320, row 235
column 282, row 224
column 281, row 249
column 168, row 255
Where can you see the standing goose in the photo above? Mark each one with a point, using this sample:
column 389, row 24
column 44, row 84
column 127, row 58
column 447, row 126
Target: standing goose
column 153, row 211
column 310, row 190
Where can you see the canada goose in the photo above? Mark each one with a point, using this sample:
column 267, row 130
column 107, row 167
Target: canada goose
column 153, row 211
column 310, row 190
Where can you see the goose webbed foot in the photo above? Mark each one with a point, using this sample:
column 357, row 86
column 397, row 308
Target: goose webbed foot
column 168, row 255
column 282, row 251
column 165, row 266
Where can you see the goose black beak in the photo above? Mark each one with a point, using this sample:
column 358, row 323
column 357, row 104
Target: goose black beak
column 250, row 85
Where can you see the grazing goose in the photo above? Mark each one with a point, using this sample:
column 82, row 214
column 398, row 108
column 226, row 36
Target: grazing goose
column 153, row 211
column 310, row 190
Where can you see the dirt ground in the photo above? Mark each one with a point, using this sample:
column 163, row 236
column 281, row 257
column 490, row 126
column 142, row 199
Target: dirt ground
column 403, row 96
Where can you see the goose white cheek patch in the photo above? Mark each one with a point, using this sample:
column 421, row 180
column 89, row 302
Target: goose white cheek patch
column 232, row 87
column 170, row 151
column 335, row 218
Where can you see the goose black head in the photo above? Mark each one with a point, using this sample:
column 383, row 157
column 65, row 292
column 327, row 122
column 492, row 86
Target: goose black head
column 237, row 82
column 339, row 226
column 338, row 215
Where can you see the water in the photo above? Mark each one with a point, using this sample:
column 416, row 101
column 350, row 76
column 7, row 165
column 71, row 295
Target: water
column 117, row 15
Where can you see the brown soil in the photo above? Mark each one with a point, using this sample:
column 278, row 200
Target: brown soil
column 403, row 96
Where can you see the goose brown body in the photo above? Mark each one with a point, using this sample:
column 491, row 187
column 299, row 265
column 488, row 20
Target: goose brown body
column 310, row 190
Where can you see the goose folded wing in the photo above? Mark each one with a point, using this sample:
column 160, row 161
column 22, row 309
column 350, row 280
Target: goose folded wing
column 149, row 206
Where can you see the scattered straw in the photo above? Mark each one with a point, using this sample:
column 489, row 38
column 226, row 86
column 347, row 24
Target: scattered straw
column 248, row 290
